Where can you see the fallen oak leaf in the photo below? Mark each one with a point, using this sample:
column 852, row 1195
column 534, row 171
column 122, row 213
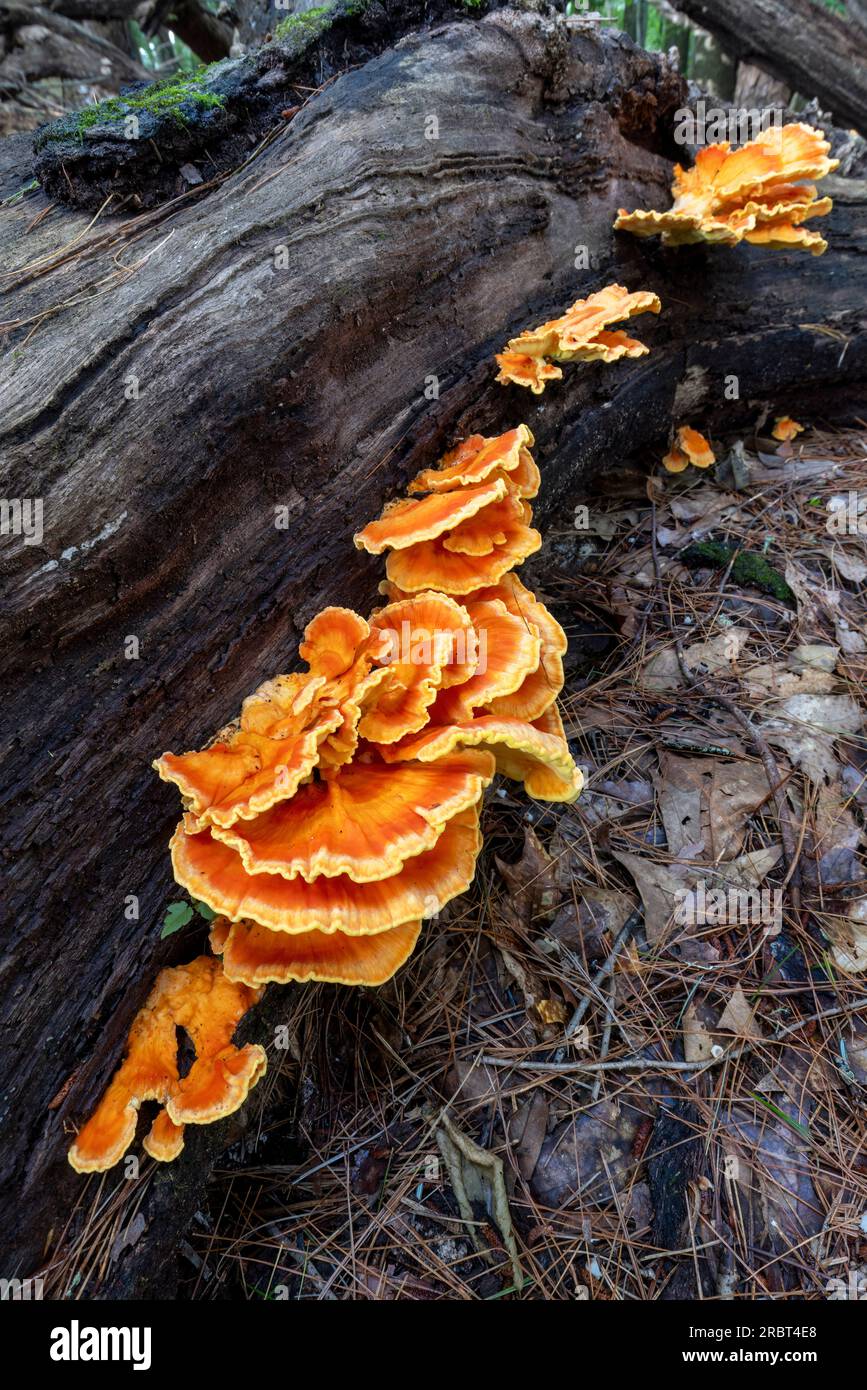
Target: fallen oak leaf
column 705, row 804
column 738, row 1016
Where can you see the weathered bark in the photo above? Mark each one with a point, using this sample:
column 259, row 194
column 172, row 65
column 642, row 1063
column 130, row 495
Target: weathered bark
column 171, row 381
column 857, row 11
column 801, row 42
column 757, row 90
column 234, row 105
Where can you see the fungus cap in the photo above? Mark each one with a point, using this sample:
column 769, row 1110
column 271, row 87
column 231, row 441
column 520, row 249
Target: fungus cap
column 428, row 641
column 577, row 331
column 475, row 460
column 431, row 565
column 512, row 650
column 255, row 956
column 200, row 999
column 540, row 687
column 535, row 753
column 409, row 521
column 164, row 1140
column 214, row 874
column 331, row 641
column 690, row 447
column 785, row 428
column 249, row 770
column 753, row 194
column 366, row 821
column 520, row 369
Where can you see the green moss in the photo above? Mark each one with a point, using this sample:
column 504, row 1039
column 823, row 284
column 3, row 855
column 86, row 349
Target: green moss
column 748, row 568
column 166, row 98
column 312, row 24
column 308, row 25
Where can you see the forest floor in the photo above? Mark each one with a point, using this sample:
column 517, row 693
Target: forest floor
column 631, row 1063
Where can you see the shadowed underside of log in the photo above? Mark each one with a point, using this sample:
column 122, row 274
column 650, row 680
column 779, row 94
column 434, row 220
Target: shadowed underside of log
column 172, row 381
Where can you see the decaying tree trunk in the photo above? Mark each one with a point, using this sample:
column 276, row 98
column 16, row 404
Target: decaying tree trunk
column 800, row 42
column 265, row 348
column 755, row 89
column 88, row 45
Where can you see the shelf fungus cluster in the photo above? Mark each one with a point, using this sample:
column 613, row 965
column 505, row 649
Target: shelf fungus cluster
column 689, row 447
column 582, row 334
column 762, row 193
column 340, row 811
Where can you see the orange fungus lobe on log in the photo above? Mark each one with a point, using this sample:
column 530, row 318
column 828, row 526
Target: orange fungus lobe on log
column 582, row 334
column 339, row 813
column 759, row 194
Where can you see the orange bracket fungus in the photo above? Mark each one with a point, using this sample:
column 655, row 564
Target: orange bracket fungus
column 340, row 811
column 757, row 194
column 689, row 447
column 786, row 429
column 580, row 335
column 203, row 1001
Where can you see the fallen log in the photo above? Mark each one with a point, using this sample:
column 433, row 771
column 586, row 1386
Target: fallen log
column 210, row 397
column 137, row 150
column 806, row 45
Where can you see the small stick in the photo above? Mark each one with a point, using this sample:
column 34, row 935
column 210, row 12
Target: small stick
column 605, row 969
column 648, row 1064
column 605, row 1044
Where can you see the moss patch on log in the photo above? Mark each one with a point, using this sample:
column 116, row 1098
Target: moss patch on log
column 749, row 568
column 308, row 25
column 167, row 98
column 220, row 112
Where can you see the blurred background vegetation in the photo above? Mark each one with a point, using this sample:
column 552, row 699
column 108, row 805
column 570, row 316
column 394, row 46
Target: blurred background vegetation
column 59, row 55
